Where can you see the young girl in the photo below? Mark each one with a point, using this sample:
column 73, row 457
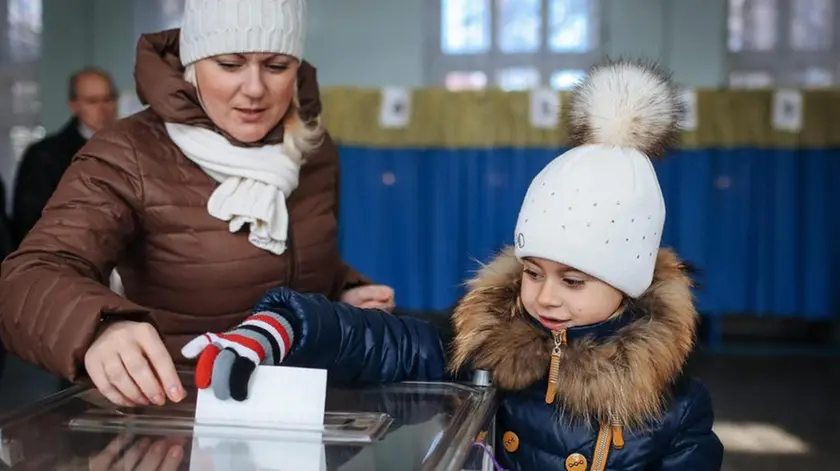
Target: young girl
column 585, row 324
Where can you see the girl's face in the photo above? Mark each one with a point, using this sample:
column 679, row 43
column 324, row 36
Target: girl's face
column 559, row 297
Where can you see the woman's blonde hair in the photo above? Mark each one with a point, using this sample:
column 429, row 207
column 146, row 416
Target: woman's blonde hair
column 299, row 137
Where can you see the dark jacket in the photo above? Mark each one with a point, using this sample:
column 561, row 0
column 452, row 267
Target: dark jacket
column 40, row 170
column 131, row 199
column 621, row 378
column 5, row 249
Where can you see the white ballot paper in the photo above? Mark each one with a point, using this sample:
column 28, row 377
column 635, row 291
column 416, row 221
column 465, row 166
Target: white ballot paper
column 279, row 426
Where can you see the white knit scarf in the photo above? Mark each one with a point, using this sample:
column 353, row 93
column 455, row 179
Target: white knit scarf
column 254, row 183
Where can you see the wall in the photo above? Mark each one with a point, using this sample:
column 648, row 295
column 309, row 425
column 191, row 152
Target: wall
column 374, row 42
column 686, row 36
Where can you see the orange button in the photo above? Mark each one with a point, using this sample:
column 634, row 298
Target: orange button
column 511, row 441
column 576, row 462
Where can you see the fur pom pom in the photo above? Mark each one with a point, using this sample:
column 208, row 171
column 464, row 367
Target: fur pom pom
column 627, row 104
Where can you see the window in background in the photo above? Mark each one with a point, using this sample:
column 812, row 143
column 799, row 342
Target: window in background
column 814, row 77
column 566, row 79
column 751, row 79
column 518, row 78
column 570, row 25
column 811, row 25
column 22, row 136
column 783, row 43
column 25, row 98
column 24, row 29
column 753, row 25
column 519, row 25
column 520, row 44
column 466, row 80
column 20, row 101
column 466, row 26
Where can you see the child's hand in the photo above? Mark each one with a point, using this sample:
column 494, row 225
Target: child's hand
column 227, row 360
column 370, row 297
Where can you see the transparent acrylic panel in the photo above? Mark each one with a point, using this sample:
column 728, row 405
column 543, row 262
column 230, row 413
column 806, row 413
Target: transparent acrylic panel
column 570, row 25
column 566, row 79
column 518, row 78
column 465, row 26
column 753, row 25
column 751, row 79
column 24, row 19
column 812, row 25
column 519, row 25
column 475, row 80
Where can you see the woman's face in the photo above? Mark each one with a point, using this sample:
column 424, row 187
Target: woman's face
column 246, row 95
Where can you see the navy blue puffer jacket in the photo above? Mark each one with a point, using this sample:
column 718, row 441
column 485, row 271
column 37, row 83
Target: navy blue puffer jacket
column 622, row 403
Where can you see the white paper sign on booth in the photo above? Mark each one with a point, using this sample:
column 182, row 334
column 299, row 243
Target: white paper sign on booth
column 689, row 118
column 788, row 110
column 544, row 108
column 395, row 111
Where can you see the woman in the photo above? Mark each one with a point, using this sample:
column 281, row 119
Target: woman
column 223, row 188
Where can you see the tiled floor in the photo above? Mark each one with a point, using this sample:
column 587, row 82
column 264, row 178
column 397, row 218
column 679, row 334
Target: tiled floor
column 773, row 413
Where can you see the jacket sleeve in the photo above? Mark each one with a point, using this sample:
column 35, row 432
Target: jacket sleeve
column 695, row 447
column 357, row 346
column 53, row 289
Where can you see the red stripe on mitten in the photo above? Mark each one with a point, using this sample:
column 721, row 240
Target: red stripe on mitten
column 246, row 342
column 287, row 343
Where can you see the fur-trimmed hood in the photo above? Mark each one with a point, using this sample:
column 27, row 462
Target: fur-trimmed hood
column 620, row 369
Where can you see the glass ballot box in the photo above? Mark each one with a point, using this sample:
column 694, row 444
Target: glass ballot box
column 405, row 426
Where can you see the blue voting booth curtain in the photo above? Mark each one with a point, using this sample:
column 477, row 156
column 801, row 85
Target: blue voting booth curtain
column 757, row 223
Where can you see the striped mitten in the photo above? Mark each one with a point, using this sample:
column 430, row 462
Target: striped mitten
column 227, row 360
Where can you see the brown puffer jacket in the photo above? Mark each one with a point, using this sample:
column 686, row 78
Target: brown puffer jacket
column 131, row 199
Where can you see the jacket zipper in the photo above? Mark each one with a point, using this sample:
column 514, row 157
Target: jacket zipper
column 608, row 434
column 602, row 448
column 554, row 366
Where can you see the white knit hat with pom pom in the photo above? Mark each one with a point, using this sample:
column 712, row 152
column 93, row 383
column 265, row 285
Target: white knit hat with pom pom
column 598, row 207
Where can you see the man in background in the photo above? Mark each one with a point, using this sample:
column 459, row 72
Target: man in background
column 92, row 98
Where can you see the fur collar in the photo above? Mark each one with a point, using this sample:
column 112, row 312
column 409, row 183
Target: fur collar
column 625, row 376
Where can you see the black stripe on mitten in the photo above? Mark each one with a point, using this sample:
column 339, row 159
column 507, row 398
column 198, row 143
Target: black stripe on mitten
column 240, row 376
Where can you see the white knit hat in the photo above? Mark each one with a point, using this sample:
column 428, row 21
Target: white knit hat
column 598, row 207
column 215, row 27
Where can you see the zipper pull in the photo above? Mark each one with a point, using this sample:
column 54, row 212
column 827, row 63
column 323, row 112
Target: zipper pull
column 554, row 367
column 617, row 434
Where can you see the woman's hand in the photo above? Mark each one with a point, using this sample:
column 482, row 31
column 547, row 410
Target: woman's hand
column 370, row 297
column 129, row 365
